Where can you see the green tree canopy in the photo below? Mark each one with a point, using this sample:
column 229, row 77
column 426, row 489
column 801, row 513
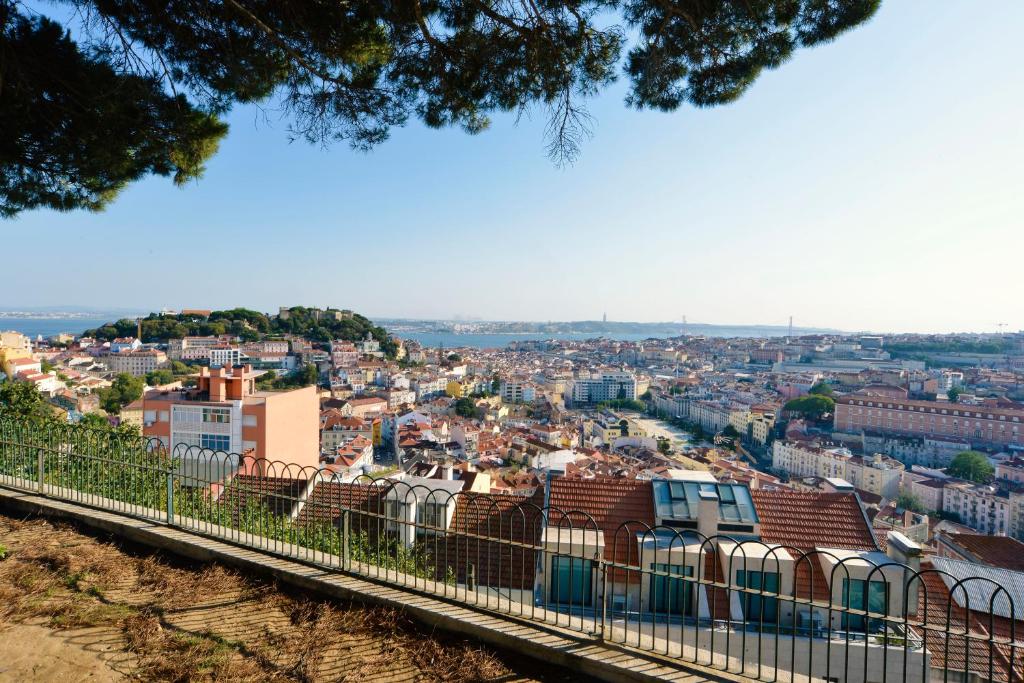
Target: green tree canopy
column 159, row 377
column 22, row 400
column 972, row 466
column 822, row 389
column 909, row 501
column 123, row 391
column 247, row 324
column 466, row 407
column 307, row 376
column 811, row 406
column 139, row 88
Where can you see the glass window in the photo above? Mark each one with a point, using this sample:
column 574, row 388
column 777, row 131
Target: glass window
column 571, row 581
column 216, row 442
column 759, row 608
column 432, row 515
column 220, row 415
column 853, row 597
column 671, row 595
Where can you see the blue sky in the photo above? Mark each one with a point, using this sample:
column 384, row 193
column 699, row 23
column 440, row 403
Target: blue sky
column 873, row 183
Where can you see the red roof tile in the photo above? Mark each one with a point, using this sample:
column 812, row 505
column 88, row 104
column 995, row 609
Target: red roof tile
column 813, row 519
column 996, row 551
column 619, row 507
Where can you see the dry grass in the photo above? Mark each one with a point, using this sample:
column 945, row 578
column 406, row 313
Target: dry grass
column 180, row 622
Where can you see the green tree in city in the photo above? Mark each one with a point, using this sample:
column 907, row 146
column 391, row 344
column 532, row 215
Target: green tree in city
column 142, row 88
column 94, row 421
column 953, row 394
column 465, row 407
column 972, row 466
column 307, row 376
column 822, row 389
column 664, row 446
column 124, row 389
column 23, row 400
column 909, row 501
column 159, row 377
column 179, row 369
column 812, row 406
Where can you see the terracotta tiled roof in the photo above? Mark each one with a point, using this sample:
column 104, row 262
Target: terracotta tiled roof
column 619, row 507
column 327, row 499
column 277, row 494
column 513, row 521
column 813, row 519
column 996, row 551
column 955, row 652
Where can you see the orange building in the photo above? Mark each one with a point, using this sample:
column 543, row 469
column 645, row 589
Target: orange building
column 226, row 413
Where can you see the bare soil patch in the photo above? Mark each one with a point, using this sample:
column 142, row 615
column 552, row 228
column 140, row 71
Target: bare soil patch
column 77, row 607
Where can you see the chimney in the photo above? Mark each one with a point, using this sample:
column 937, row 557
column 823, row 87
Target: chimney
column 901, row 549
column 707, row 514
column 448, row 472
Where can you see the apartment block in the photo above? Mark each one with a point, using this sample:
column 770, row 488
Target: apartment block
column 993, row 423
column 986, row 509
column 604, row 386
column 226, row 413
column 802, row 459
column 137, row 362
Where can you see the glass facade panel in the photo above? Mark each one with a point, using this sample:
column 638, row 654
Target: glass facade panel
column 571, row 581
column 670, row 595
column 759, row 608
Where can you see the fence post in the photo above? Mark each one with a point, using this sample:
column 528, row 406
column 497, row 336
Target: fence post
column 40, row 469
column 603, row 585
column 170, row 497
column 346, row 559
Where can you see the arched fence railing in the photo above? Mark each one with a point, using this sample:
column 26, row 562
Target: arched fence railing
column 758, row 610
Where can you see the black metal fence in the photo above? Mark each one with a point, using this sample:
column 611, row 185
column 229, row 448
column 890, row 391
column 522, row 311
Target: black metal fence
column 759, row 610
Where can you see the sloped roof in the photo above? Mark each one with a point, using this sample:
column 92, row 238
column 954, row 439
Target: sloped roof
column 279, row 495
column 514, row 522
column 996, row 551
column 813, row 519
column 978, row 587
column 945, row 623
column 619, row 507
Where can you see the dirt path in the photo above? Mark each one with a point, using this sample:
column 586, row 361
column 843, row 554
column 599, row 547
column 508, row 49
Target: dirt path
column 30, row 652
column 73, row 607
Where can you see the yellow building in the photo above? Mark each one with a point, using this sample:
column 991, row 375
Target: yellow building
column 133, row 414
column 13, row 345
column 457, row 389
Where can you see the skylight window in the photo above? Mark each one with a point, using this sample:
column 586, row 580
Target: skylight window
column 677, row 501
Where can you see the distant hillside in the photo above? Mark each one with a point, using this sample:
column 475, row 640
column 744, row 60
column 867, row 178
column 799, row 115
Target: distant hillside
column 247, row 324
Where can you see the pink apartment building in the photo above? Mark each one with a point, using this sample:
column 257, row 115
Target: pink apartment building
column 995, row 424
column 226, row 413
